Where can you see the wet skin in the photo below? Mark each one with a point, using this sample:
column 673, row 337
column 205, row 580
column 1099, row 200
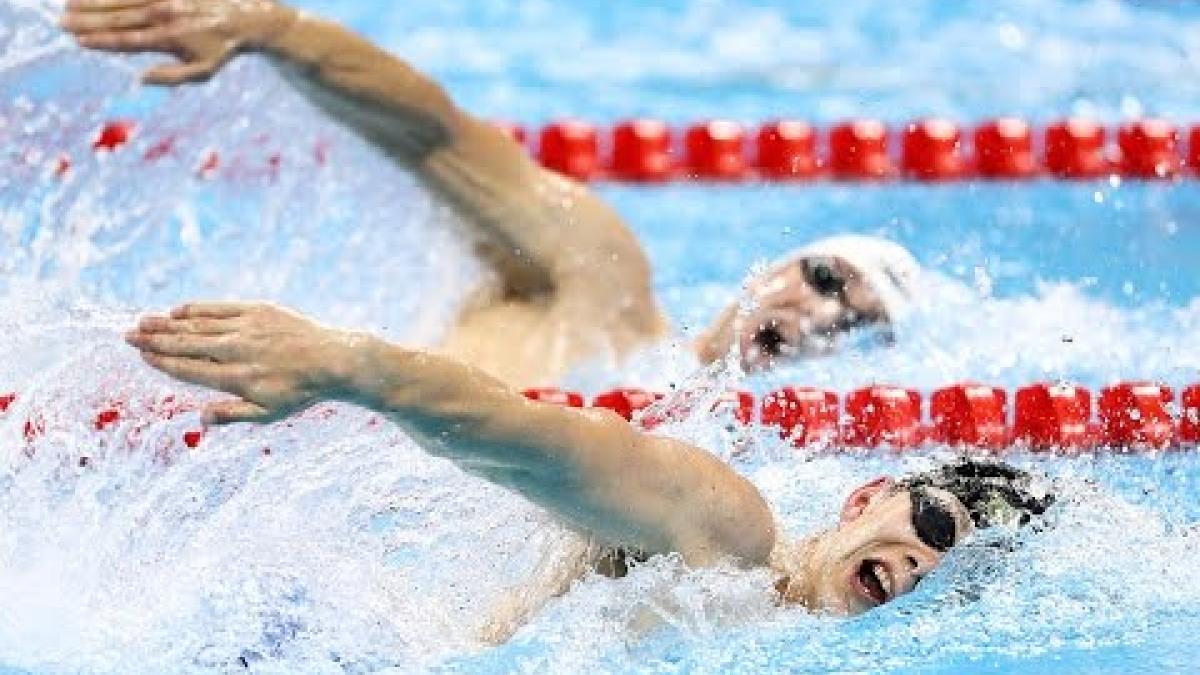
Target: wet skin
column 572, row 284
column 591, row 468
column 798, row 308
column 879, row 551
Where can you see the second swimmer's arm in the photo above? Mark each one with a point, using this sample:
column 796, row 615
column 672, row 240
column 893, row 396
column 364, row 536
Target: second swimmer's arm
column 549, row 234
column 589, row 467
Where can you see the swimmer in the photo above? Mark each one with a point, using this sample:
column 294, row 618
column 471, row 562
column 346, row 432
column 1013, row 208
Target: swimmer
column 573, row 283
column 599, row 476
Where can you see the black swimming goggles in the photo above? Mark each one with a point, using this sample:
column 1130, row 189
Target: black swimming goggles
column 932, row 519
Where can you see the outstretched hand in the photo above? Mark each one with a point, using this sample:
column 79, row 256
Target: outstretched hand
column 276, row 361
column 203, row 34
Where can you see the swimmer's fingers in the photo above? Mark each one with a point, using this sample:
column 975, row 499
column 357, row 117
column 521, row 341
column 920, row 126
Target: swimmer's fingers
column 231, row 378
column 154, row 323
column 106, row 5
column 149, row 39
column 80, row 22
column 196, row 31
column 212, row 347
column 213, row 310
column 236, row 410
column 178, row 73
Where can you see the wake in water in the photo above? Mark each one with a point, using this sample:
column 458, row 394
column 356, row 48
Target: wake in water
column 345, row 548
column 329, row 543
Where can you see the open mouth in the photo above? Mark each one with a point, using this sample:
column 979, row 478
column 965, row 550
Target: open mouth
column 874, row 581
column 770, row 340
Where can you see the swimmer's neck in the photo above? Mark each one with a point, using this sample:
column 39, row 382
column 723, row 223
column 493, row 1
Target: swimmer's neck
column 792, row 561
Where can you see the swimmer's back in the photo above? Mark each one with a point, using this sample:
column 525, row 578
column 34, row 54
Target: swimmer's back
column 536, row 341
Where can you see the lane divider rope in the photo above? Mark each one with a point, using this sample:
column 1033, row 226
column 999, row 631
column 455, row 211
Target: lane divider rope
column 1047, row 417
column 649, row 151
column 1059, row 418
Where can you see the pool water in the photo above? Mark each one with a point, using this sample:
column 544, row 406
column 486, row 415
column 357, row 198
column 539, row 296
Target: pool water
column 330, row 544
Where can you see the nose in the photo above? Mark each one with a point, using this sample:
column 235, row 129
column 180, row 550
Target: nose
column 918, row 562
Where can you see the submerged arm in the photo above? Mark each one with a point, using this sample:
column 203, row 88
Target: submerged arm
column 590, row 468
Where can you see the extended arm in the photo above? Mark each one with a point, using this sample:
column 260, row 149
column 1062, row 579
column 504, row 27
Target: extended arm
column 589, row 467
column 546, row 233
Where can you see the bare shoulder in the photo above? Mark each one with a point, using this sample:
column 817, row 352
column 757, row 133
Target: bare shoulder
column 722, row 514
column 703, row 508
column 573, row 283
column 537, row 342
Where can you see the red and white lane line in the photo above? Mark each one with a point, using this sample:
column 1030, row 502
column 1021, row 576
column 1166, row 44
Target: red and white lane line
column 1046, row 417
column 1061, row 418
column 650, row 151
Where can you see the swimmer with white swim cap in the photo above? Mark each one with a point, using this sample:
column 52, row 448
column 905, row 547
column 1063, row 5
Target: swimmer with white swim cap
column 573, row 284
column 801, row 305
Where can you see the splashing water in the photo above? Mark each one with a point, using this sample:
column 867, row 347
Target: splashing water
column 329, row 543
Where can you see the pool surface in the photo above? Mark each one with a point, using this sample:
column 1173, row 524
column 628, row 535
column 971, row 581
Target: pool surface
column 330, row 544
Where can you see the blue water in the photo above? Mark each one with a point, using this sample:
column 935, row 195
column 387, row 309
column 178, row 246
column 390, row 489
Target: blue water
column 346, row 550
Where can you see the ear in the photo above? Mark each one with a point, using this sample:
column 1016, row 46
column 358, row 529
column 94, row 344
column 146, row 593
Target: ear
column 861, row 498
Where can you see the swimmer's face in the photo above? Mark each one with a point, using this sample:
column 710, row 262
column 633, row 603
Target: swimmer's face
column 887, row 540
column 797, row 310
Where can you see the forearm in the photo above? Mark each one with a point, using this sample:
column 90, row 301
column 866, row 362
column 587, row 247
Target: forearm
column 589, row 467
column 452, row 410
column 549, row 231
column 541, row 222
column 377, row 95
column 461, row 413
column 592, row 469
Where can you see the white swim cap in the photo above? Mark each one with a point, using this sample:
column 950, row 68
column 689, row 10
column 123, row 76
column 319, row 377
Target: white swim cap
column 887, row 266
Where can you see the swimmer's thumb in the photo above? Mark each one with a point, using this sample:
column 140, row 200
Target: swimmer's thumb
column 178, row 73
column 236, row 410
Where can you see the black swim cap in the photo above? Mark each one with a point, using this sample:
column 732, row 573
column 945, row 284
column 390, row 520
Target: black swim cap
column 993, row 493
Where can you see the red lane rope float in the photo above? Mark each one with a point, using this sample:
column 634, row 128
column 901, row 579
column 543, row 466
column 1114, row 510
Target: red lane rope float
column 716, row 151
column 804, row 415
column 932, row 150
column 1004, row 149
column 1189, row 422
column 1075, row 149
column 1137, row 415
column 650, row 151
column 570, row 147
column 970, row 414
column 1148, row 149
column 858, row 150
column 113, row 135
column 787, row 150
column 625, row 401
column 883, row 415
column 1046, row 417
column 642, row 152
